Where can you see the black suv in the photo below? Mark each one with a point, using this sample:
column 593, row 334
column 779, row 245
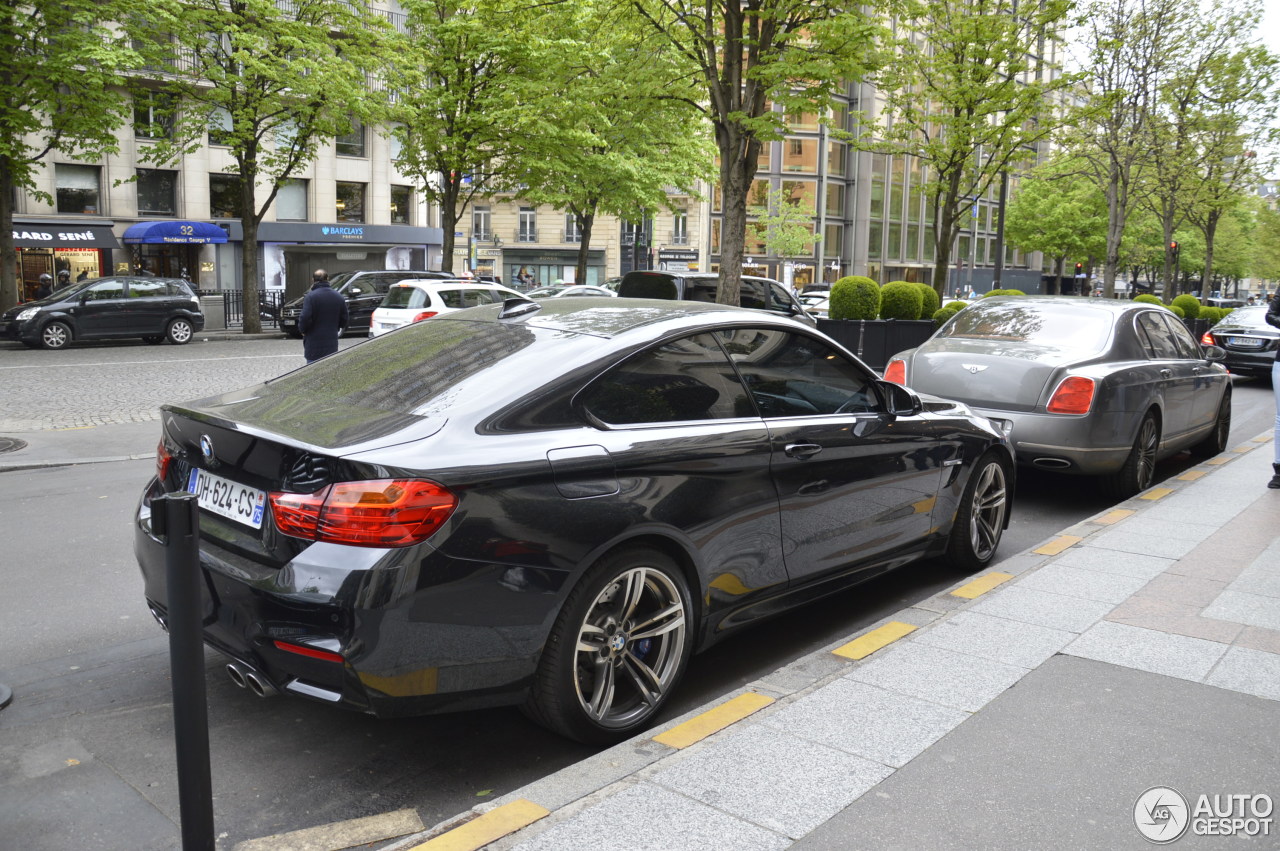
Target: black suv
column 364, row 291
column 155, row 309
column 756, row 293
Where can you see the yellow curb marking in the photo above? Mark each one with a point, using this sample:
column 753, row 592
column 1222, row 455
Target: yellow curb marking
column 1243, row 449
column 491, row 826
column 1156, row 493
column 1263, row 439
column 342, row 834
column 865, row 645
column 982, row 585
column 1216, row 462
column 1114, row 516
column 1058, row 544
column 713, row 720
column 1192, row 475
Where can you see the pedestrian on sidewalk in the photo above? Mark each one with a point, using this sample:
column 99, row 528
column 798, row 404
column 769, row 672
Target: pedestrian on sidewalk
column 323, row 319
column 1273, row 318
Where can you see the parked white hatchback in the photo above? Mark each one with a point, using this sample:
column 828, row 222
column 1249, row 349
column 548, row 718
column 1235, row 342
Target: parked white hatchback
column 412, row 301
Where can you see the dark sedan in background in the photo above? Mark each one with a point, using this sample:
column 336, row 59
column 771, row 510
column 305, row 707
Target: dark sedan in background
column 1250, row 343
column 1088, row 386
column 555, row 505
column 155, row 309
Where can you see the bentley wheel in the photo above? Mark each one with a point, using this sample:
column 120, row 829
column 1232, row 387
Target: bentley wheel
column 617, row 649
column 1139, row 469
column 55, row 335
column 981, row 519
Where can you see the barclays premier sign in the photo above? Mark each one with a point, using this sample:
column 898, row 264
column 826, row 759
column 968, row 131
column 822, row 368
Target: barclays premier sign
column 343, row 233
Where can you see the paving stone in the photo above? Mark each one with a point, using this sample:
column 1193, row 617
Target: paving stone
column 1258, row 638
column 1178, row 618
column 1148, row 650
column 938, row 676
column 1105, row 560
column 1089, row 584
column 1249, row 671
column 1057, row 611
column 646, row 817
column 1183, row 590
column 867, row 721
column 1246, row 608
column 1001, row 639
column 773, row 779
column 1126, row 540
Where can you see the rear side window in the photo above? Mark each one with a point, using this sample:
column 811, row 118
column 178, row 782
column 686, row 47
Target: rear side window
column 752, row 295
column 793, row 375
column 680, row 381
column 148, row 289
column 461, row 298
column 1157, row 337
column 648, row 285
column 178, row 289
column 1182, row 337
column 105, row 290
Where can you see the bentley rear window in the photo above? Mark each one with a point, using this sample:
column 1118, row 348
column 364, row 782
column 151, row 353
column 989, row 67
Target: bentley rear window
column 1058, row 325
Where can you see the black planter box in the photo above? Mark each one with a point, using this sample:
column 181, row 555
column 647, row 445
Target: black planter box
column 874, row 341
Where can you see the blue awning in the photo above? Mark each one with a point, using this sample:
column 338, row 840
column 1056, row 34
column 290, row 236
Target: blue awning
column 174, row 232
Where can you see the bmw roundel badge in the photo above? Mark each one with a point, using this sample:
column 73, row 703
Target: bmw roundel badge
column 206, row 447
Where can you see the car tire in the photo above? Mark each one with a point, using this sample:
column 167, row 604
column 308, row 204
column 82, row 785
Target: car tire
column 617, row 649
column 1215, row 442
column 983, row 512
column 153, row 340
column 1139, row 468
column 55, row 335
column 179, row 332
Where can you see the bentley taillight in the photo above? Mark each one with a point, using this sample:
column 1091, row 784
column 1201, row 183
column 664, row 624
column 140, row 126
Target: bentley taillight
column 1073, row 396
column 896, row 372
column 379, row 513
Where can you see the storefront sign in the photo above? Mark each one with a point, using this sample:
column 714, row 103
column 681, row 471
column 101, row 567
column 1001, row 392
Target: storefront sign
column 179, row 233
column 59, row 236
column 306, row 233
column 681, row 254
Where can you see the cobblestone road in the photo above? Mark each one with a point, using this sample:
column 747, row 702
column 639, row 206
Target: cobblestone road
column 126, row 383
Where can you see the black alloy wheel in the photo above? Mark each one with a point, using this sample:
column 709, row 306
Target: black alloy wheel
column 617, row 650
column 1139, row 468
column 55, row 335
column 179, row 332
column 1215, row 442
column 980, row 521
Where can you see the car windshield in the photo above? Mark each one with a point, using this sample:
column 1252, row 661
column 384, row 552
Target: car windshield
column 1063, row 326
column 341, row 278
column 405, row 295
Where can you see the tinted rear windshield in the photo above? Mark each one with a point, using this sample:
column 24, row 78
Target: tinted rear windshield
column 1062, row 326
column 406, row 296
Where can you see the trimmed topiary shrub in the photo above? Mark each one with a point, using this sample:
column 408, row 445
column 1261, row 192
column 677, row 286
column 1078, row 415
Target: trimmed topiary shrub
column 1148, row 298
column 957, row 306
column 854, row 297
column 1177, row 310
column 900, row 300
column 1212, row 315
column 941, row 315
column 1004, row 292
column 1190, row 305
column 930, row 300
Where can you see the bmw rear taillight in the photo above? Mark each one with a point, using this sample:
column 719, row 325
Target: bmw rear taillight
column 309, row 652
column 896, row 372
column 380, row 513
column 163, row 457
column 1073, row 396
column 425, row 315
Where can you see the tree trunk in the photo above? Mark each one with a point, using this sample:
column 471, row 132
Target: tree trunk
column 249, row 256
column 1210, row 230
column 586, row 221
column 1057, row 282
column 739, row 157
column 449, row 217
column 1116, row 216
column 9, row 285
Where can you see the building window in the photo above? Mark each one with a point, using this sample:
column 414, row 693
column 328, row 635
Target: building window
column 291, row 201
column 833, row 241
column 481, row 223
column 401, row 204
column 219, row 127
column 527, row 227
column 835, row 200
column 801, row 155
column 77, row 189
column 680, row 228
column 350, row 203
column 224, row 196
column 351, row 144
column 157, row 192
column 153, row 115
column 571, row 232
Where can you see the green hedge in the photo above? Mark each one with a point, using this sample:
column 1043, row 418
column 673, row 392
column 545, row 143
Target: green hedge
column 1004, row 292
column 941, row 315
column 1177, row 310
column 930, row 300
column 1148, row 298
column 854, row 297
column 957, row 306
column 1213, row 315
column 900, row 300
column 1190, row 305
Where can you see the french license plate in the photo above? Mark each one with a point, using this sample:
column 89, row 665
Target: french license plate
column 229, row 499
column 289, row 321
column 1245, row 342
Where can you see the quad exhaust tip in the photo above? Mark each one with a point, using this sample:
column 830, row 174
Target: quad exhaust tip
column 245, row 677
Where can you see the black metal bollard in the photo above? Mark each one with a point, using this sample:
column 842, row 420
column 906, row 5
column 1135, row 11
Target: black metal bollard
column 179, row 526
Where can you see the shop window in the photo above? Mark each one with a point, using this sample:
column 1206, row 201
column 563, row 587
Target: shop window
column 157, row 192
column 224, row 196
column 350, row 203
column 78, row 190
column 351, row 144
column 291, row 201
column 401, row 204
column 153, row 114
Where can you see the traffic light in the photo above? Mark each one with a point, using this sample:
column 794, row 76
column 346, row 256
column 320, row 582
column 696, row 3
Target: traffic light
column 1173, row 248
column 1079, row 268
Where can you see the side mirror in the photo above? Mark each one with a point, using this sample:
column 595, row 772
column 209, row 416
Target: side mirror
column 900, row 401
column 1213, row 353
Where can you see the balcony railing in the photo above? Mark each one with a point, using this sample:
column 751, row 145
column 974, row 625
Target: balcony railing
column 527, row 235
column 572, row 236
column 679, row 238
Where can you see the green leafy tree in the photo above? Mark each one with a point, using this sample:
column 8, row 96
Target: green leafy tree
column 269, row 81
column 750, row 57
column 1265, row 260
column 965, row 96
column 784, row 226
column 61, row 68
column 1058, row 211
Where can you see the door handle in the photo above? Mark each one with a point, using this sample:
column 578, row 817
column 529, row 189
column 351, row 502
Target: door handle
column 802, row 450
column 1166, row 373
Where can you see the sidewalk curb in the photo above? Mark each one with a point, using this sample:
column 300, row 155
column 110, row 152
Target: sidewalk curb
column 578, row 787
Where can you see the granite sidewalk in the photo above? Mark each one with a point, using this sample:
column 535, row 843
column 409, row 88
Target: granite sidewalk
column 1116, row 680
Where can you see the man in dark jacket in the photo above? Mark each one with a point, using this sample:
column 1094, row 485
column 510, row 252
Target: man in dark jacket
column 323, row 319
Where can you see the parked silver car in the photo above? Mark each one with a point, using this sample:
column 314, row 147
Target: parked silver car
column 1093, row 387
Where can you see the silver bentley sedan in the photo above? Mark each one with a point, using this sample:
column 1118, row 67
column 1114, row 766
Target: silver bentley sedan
column 1086, row 386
